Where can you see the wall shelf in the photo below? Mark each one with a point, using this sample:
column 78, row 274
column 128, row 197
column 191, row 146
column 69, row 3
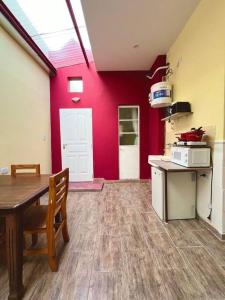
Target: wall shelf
column 176, row 116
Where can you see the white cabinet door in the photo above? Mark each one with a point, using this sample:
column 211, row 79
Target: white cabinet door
column 76, row 143
column 129, row 157
column 158, row 192
column 181, row 194
column 129, row 162
column 204, row 193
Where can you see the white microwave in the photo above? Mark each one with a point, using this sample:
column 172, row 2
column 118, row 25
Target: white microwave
column 191, row 157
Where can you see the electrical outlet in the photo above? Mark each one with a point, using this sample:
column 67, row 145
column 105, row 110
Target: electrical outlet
column 4, row 170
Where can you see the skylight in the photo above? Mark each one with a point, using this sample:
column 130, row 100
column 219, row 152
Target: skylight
column 49, row 24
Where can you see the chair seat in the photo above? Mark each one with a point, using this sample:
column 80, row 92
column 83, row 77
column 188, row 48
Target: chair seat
column 35, row 218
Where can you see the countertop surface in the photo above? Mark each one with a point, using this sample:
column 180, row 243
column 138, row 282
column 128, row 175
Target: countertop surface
column 172, row 167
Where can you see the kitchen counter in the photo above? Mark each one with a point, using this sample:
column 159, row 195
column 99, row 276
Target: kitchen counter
column 172, row 167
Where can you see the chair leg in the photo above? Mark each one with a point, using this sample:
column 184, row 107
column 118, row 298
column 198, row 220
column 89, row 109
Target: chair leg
column 34, row 239
column 24, row 242
column 65, row 233
column 37, row 202
column 52, row 261
column 35, row 235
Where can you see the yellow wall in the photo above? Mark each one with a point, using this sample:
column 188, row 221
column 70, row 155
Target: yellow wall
column 197, row 58
column 24, row 107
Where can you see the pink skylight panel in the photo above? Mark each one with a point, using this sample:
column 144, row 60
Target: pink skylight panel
column 49, row 24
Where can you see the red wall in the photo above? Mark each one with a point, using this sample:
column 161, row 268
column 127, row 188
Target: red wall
column 104, row 92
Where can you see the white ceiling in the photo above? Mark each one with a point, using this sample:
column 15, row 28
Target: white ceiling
column 115, row 26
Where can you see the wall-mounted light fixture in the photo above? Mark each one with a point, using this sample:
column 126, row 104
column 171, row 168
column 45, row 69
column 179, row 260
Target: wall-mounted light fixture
column 75, row 99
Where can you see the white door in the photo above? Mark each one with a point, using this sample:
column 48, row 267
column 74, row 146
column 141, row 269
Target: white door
column 76, row 143
column 129, row 142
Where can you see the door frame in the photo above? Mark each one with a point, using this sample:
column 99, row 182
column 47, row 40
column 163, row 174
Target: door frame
column 139, row 137
column 61, row 144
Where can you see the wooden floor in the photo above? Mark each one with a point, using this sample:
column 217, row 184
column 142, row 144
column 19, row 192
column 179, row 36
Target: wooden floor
column 120, row 250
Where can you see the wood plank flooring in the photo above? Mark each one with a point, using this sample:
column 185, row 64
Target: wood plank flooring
column 120, row 250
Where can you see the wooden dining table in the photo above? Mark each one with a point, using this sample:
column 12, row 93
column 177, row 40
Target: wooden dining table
column 16, row 194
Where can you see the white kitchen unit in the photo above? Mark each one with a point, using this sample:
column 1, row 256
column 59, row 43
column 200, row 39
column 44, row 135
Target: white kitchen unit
column 181, row 194
column 174, row 189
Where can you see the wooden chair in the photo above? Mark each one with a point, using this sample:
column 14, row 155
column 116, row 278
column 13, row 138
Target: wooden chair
column 27, row 167
column 25, row 170
column 32, row 169
column 42, row 219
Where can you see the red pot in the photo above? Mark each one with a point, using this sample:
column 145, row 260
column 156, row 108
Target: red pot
column 195, row 135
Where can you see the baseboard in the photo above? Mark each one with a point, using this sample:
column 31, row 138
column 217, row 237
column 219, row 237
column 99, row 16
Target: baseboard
column 213, row 230
column 126, row 180
column 98, row 179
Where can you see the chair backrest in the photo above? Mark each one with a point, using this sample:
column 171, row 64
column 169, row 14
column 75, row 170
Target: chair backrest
column 58, row 190
column 30, row 169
